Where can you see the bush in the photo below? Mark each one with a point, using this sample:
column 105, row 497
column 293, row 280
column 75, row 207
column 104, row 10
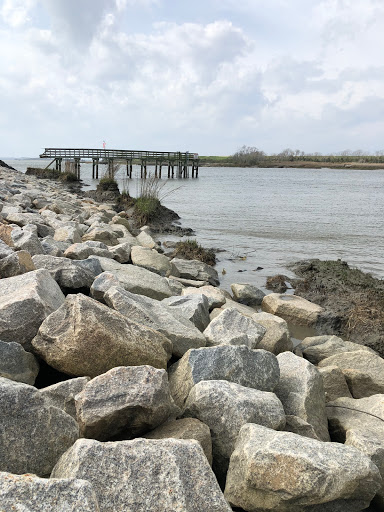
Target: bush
column 191, row 250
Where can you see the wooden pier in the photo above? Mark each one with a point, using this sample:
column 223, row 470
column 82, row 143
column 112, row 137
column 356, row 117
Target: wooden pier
column 175, row 164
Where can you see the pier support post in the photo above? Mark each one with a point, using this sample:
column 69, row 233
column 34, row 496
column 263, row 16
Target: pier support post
column 156, row 169
column 160, row 169
column 169, row 169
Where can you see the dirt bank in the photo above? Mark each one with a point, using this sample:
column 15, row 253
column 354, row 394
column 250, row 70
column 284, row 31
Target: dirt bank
column 353, row 300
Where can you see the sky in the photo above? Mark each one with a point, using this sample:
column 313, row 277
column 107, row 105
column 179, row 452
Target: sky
column 206, row 76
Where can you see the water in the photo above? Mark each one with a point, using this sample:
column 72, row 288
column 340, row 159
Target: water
column 271, row 217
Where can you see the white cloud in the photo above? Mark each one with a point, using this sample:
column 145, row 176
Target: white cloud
column 244, row 73
column 15, row 13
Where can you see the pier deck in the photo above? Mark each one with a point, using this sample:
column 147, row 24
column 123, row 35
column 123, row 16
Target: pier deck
column 177, row 162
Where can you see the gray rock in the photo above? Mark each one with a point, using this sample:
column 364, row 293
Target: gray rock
column 334, row 383
column 54, row 247
column 363, row 370
column 103, row 234
column 86, row 338
column 232, row 328
column 16, row 264
column 17, row 364
column 127, row 401
column 81, row 251
column 102, row 284
column 301, row 392
column 225, row 407
column 247, row 294
column 154, row 314
column 138, row 280
column 33, row 434
column 277, row 338
column 229, row 303
column 145, row 475
column 251, row 368
column 145, row 239
column 193, row 307
column 284, row 472
column 371, row 445
column 5, row 250
column 26, row 240
column 151, row 260
column 121, row 252
column 29, row 493
column 216, row 297
column 68, row 233
column 317, row 348
column 62, row 394
column 292, row 308
column 25, row 301
column 298, row 426
column 365, row 414
column 185, row 428
column 197, row 270
column 72, row 275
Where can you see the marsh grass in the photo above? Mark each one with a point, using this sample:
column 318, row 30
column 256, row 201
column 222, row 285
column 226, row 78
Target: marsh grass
column 191, row 250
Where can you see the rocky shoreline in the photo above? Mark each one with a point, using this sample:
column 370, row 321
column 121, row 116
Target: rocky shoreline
column 131, row 382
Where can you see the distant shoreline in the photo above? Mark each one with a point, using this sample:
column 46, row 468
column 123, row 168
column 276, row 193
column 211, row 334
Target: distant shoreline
column 299, row 165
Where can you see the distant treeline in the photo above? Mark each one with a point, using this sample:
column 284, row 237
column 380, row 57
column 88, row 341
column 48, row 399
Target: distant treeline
column 251, row 156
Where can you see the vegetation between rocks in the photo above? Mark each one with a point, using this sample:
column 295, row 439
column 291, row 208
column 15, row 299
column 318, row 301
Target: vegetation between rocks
column 191, row 250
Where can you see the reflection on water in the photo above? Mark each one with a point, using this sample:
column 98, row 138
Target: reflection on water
column 265, row 218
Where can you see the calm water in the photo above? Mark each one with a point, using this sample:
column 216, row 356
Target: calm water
column 273, row 217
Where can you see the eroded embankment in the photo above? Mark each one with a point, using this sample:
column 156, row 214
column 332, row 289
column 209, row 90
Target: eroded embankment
column 353, row 299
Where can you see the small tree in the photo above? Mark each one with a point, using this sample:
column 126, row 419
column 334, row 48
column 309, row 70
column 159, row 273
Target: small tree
column 248, row 155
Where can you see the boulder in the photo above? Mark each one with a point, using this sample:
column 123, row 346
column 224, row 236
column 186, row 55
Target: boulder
column 365, row 414
column 277, row 338
column 196, row 270
column 26, row 240
column 33, row 434
column 102, row 284
column 82, row 251
column 25, row 301
column 68, row 233
column 284, row 472
column 317, row 348
column 17, row 364
column 29, row 493
column 301, row 392
column 292, row 308
column 15, row 264
column 103, row 234
column 145, row 239
column 256, row 369
column 152, row 313
column 216, row 297
column 138, row 280
column 185, row 428
column 247, row 294
column 145, row 475
column 229, row 303
column 126, row 401
column 334, row 383
column 225, row 407
column 298, row 426
column 151, row 260
column 86, row 338
column 53, row 247
column 233, row 328
column 5, row 250
column 363, row 370
column 193, row 307
column 70, row 274
column 62, row 394
column 121, row 252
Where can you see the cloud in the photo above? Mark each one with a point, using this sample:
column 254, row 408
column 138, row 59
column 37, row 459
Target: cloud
column 212, row 77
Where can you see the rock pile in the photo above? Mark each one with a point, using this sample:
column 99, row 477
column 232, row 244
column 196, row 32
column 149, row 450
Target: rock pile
column 129, row 381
